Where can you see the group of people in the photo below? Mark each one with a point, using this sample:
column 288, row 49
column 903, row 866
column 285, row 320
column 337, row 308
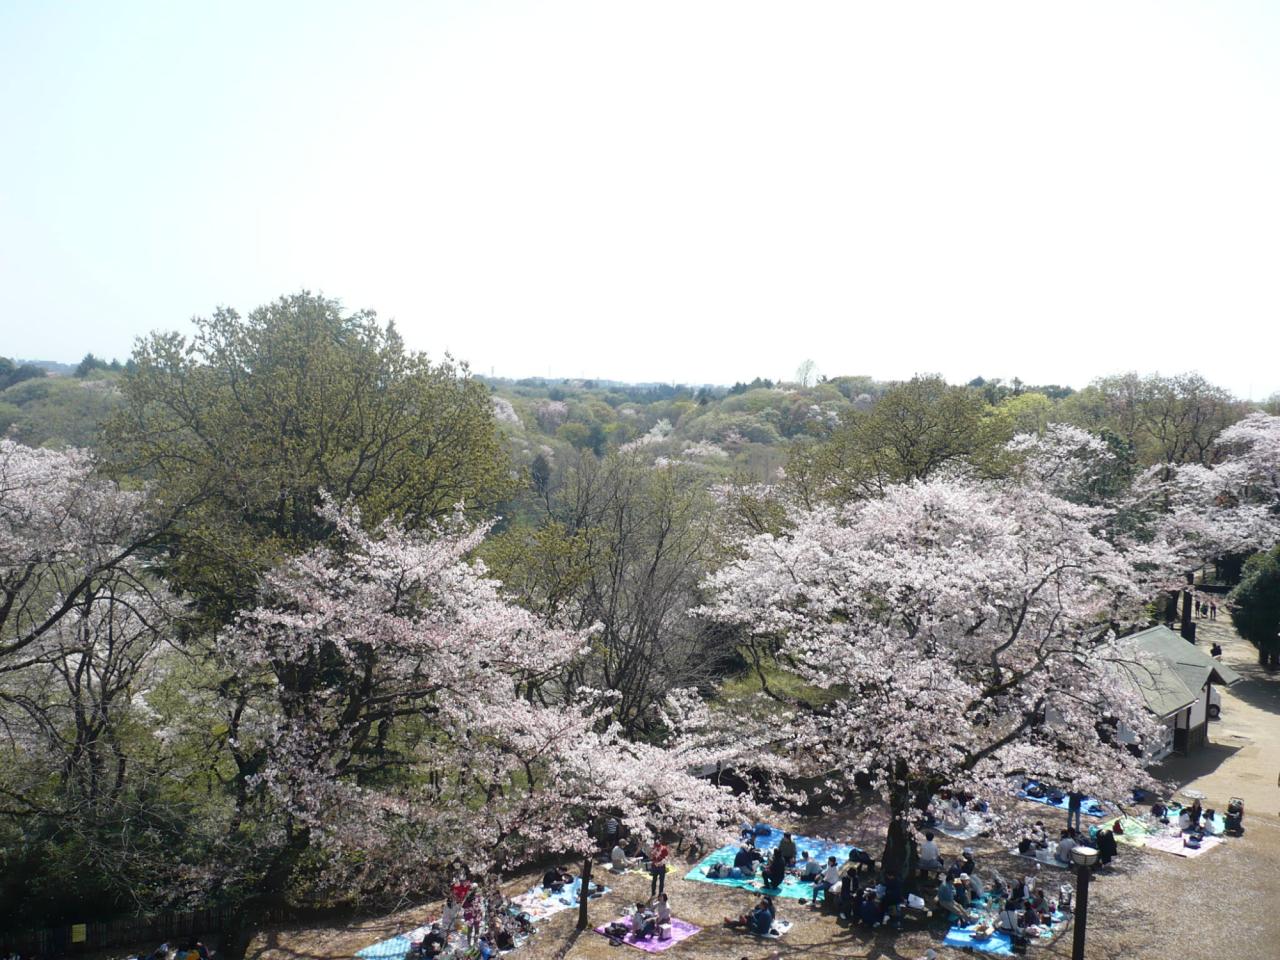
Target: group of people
column 651, row 918
column 1194, row 821
column 626, row 851
column 191, row 949
column 1063, row 846
column 490, row 922
column 1207, row 608
column 1025, row 912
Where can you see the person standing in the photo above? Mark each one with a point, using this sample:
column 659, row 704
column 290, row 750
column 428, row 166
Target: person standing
column 658, row 868
column 1075, row 800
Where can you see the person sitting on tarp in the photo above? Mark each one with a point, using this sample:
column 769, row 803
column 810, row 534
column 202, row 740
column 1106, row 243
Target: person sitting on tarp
column 759, row 919
column 869, row 912
column 930, row 856
column 977, row 889
column 555, row 879
column 1194, row 814
column 618, row 859
column 776, row 871
column 644, row 922
column 1066, row 844
column 891, row 897
column 746, row 859
column 762, row 919
column 433, row 943
column 1009, row 922
column 809, row 868
column 947, row 901
column 859, row 858
column 787, row 847
column 850, row 895
column 1039, row 835
column 1160, row 811
column 830, row 880
column 633, row 848
column 999, row 886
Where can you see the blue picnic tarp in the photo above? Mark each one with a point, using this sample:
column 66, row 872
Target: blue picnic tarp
column 1089, row 806
column 962, row 938
column 766, row 839
column 394, row 949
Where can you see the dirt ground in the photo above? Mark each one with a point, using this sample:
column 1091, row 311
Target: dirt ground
column 1151, row 906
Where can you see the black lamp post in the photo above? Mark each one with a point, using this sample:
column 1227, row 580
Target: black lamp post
column 1085, row 858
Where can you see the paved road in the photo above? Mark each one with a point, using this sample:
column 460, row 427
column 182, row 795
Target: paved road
column 1243, row 759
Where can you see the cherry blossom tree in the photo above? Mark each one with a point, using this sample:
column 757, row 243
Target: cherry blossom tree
column 966, row 634
column 379, row 716
column 1064, row 460
column 62, row 529
column 1188, row 515
column 82, row 626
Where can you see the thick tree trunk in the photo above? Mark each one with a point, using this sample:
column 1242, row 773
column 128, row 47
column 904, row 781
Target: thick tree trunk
column 272, row 896
column 583, row 894
column 899, row 846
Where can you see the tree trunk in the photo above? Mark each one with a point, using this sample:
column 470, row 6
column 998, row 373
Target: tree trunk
column 587, row 864
column 899, row 847
column 271, row 896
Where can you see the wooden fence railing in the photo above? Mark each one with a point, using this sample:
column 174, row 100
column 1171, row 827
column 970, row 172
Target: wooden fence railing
column 131, row 931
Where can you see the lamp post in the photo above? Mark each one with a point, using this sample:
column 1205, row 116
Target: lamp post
column 1085, row 858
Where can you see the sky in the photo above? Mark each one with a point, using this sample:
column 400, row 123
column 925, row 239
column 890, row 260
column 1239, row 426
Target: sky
column 651, row 191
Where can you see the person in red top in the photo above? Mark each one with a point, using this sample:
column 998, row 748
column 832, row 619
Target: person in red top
column 658, row 868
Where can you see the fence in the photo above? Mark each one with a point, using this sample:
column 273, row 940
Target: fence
column 130, row 931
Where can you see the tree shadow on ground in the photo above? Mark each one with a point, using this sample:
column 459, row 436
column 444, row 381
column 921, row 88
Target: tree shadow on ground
column 1207, row 759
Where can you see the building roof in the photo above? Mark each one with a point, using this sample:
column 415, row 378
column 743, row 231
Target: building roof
column 1172, row 672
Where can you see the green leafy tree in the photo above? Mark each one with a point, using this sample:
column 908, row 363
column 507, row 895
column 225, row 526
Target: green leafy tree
column 916, row 430
column 11, row 373
column 249, row 420
column 1255, row 605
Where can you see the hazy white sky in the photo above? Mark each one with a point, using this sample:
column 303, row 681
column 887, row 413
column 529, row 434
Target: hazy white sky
column 700, row 192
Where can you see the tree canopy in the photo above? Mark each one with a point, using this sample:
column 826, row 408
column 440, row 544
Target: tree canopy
column 249, row 420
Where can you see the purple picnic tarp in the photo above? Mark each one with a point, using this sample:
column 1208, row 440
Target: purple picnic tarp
column 680, row 930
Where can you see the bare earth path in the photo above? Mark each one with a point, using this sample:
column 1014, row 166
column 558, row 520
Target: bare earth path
column 1152, row 906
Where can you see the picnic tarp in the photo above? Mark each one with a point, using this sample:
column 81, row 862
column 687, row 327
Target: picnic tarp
column 1089, row 806
column 1041, row 855
column 395, row 948
column 1177, row 846
column 975, row 824
column 540, row 903
column 1136, row 832
column 680, row 930
column 777, row 930
column 819, row 848
column 963, row 938
column 1158, row 836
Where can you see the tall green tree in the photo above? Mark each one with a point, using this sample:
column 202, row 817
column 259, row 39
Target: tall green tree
column 246, row 422
column 1255, row 605
column 917, row 430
